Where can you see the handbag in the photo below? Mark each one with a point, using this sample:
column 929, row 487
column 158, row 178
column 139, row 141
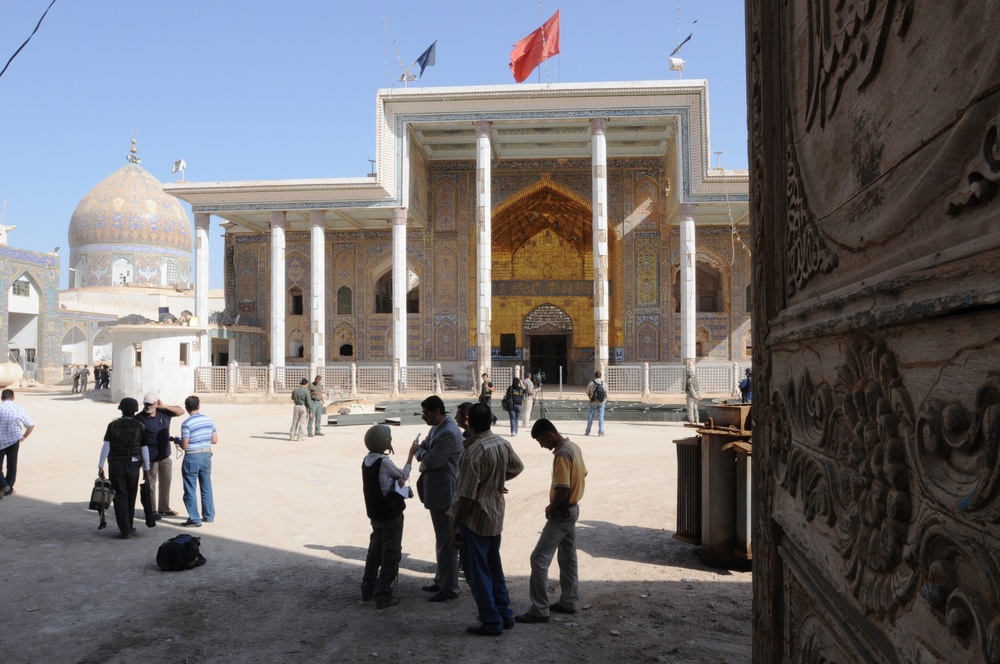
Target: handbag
column 101, row 495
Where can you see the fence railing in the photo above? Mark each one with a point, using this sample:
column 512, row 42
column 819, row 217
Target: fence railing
column 665, row 379
column 287, row 379
column 251, row 379
column 714, row 378
column 375, row 379
column 417, row 379
column 337, row 379
column 624, row 379
column 211, row 379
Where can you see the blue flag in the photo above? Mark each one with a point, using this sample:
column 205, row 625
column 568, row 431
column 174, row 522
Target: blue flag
column 426, row 59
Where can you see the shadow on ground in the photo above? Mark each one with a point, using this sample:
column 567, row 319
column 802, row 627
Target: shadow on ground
column 76, row 594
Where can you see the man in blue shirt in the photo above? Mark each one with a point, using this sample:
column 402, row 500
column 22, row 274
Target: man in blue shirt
column 156, row 416
column 198, row 434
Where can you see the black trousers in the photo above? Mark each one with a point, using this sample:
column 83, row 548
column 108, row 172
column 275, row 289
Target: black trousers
column 124, row 476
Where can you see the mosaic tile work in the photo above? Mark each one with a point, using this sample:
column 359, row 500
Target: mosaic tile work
column 446, row 341
column 43, row 272
column 128, row 213
column 647, row 343
column 445, row 199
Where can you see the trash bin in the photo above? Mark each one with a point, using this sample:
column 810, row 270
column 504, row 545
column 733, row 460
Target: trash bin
column 688, row 528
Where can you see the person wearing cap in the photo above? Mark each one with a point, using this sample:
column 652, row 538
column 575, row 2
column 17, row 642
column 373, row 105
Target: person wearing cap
column 198, row 434
column 155, row 417
column 438, row 456
column 301, row 411
column 384, row 506
column 123, row 451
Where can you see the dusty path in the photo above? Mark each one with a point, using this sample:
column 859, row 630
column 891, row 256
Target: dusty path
column 286, row 552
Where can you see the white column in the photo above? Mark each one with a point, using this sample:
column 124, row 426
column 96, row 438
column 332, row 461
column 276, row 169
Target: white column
column 484, row 247
column 399, row 279
column 201, row 224
column 278, row 346
column 317, row 220
column 688, row 292
column 599, row 159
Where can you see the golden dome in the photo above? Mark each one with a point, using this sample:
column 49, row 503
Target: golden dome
column 129, row 207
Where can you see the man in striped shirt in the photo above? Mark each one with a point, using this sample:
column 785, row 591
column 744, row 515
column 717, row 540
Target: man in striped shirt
column 485, row 466
column 198, row 434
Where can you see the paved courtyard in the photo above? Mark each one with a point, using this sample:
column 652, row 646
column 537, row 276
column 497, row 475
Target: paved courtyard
column 286, row 552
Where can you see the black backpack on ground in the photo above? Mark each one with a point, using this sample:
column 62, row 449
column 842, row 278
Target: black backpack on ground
column 180, row 553
column 599, row 393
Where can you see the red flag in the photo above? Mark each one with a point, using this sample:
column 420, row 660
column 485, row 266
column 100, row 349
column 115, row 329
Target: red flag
column 535, row 49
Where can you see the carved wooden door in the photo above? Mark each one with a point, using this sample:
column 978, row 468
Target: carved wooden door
column 874, row 167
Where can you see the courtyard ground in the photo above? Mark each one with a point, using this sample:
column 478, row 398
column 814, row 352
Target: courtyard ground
column 286, row 552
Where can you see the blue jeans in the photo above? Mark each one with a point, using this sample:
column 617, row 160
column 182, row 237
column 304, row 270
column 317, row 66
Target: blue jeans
column 484, row 572
column 596, row 407
column 197, row 469
column 515, row 416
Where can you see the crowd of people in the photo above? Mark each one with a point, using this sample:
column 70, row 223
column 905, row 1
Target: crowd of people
column 464, row 470
column 81, row 377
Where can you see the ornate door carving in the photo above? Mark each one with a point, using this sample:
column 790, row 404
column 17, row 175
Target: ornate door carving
column 875, row 164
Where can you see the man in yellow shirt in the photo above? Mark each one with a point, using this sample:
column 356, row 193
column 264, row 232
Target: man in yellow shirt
column 561, row 514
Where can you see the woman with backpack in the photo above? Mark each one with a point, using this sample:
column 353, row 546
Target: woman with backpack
column 512, row 402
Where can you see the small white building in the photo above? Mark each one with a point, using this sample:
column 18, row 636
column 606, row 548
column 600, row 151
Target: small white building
column 155, row 357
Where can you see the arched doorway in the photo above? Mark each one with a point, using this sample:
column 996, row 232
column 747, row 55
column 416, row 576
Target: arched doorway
column 102, row 347
column 542, row 251
column 548, row 336
column 74, row 346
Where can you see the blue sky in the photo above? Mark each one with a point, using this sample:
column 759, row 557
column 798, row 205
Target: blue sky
column 270, row 90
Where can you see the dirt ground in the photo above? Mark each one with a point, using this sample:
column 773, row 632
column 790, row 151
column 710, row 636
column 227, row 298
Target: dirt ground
column 286, row 552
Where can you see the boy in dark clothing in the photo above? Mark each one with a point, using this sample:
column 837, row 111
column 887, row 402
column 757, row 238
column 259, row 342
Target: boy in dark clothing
column 385, row 507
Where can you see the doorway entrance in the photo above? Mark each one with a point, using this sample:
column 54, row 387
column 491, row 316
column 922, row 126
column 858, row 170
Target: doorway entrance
column 548, row 353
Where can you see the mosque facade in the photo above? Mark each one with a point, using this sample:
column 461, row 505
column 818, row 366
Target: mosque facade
column 29, row 328
column 571, row 226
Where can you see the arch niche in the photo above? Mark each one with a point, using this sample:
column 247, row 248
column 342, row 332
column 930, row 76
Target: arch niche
column 542, row 251
column 548, row 335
